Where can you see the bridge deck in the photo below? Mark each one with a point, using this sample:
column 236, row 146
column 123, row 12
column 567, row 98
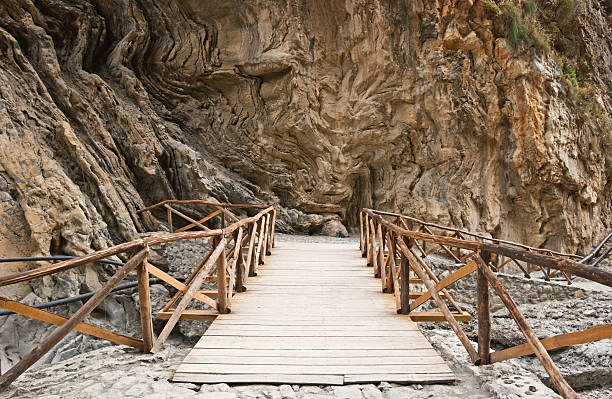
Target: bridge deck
column 313, row 315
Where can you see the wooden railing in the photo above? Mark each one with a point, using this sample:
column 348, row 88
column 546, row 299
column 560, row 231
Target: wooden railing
column 390, row 243
column 235, row 253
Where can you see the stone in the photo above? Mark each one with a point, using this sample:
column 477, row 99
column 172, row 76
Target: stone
column 347, row 392
column 384, row 386
column 287, row 392
column 215, row 388
column 371, row 392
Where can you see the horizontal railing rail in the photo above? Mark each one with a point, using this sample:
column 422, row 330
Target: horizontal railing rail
column 236, row 251
column 605, row 253
column 396, row 252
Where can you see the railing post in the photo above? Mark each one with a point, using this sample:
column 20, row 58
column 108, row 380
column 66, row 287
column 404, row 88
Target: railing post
column 240, row 286
column 269, row 235
column 405, row 284
column 239, row 273
column 361, row 247
column 484, row 319
column 366, row 241
column 170, row 229
column 221, row 279
column 144, row 302
column 273, row 227
column 250, row 264
column 380, row 261
column 540, row 351
column 373, row 255
column 260, row 241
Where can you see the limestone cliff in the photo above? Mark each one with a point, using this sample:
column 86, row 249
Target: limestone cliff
column 493, row 116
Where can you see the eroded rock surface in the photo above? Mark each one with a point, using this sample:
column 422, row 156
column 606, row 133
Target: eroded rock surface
column 319, row 107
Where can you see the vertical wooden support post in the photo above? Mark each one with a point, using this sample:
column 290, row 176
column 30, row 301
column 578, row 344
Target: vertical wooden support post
column 269, row 235
column 373, row 254
column 194, row 287
column 240, row 272
column 170, row 229
column 221, row 280
column 250, row 263
column 405, row 284
column 380, row 261
column 368, row 250
column 540, row 351
column 273, row 227
column 361, row 246
column 450, row 319
column 257, row 249
column 144, row 300
column 484, row 318
column 56, row 336
column 261, row 245
column 381, row 258
column 388, row 283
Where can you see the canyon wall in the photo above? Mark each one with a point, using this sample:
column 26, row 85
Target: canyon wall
column 435, row 109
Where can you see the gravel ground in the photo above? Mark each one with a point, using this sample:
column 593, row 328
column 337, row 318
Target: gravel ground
column 352, row 239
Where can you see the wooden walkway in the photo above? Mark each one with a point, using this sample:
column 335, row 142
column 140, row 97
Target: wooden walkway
column 314, row 315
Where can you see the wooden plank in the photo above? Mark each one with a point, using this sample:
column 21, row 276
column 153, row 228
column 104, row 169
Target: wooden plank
column 259, row 378
column 438, row 316
column 305, row 328
column 308, row 369
column 311, row 343
column 274, row 332
column 315, row 323
column 52, row 318
column 190, row 314
column 557, row 341
column 314, row 353
column 313, row 361
column 437, row 378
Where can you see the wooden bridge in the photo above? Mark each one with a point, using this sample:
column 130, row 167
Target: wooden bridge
column 315, row 313
column 307, row 318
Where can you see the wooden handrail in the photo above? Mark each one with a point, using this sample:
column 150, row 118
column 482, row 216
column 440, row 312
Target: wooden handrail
column 189, row 290
column 375, row 249
column 80, row 315
column 201, row 202
column 567, row 265
column 454, row 229
column 125, row 247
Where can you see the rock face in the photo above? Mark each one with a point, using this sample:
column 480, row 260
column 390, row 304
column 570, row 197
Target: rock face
column 319, row 107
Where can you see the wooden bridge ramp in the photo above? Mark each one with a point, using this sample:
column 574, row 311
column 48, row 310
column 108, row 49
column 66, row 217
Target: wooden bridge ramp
column 314, row 314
